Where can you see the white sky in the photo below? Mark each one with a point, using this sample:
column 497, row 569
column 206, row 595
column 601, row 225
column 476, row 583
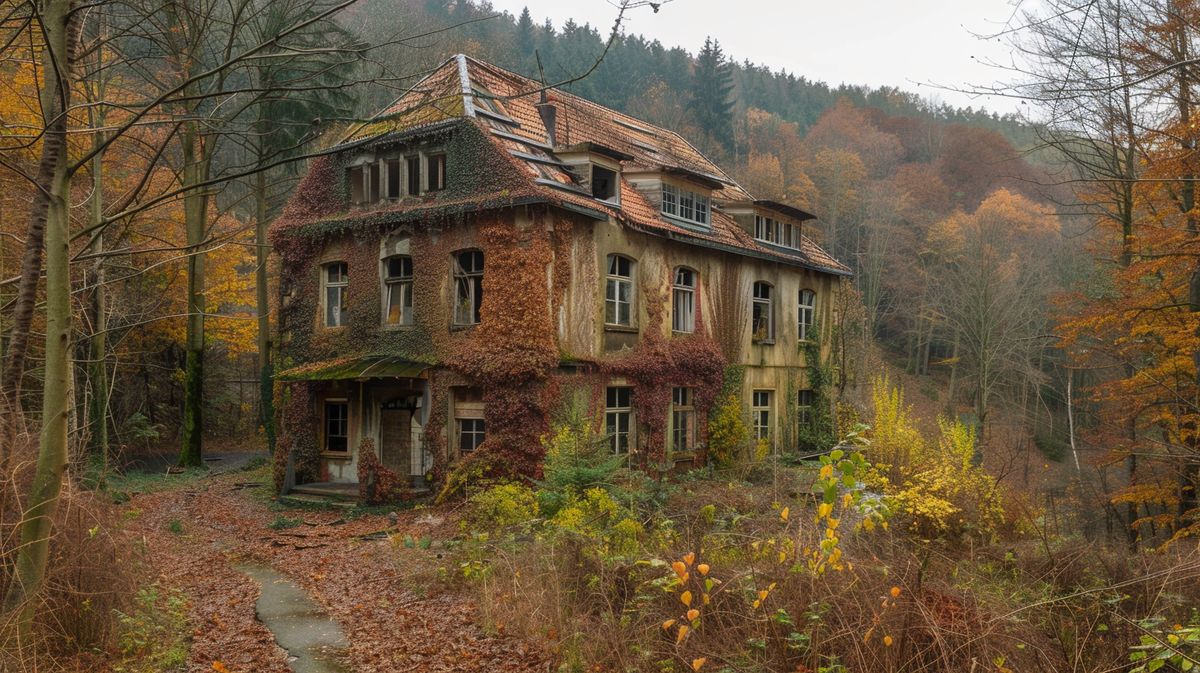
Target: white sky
column 910, row 44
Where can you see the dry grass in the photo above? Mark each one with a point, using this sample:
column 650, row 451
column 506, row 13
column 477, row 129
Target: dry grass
column 1026, row 604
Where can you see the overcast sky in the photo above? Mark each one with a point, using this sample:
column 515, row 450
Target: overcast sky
column 905, row 43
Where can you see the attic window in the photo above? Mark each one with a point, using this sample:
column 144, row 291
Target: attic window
column 604, row 183
column 780, row 233
column 685, row 204
column 437, row 172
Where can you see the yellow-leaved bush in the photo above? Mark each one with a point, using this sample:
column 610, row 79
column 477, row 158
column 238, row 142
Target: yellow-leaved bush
column 935, row 486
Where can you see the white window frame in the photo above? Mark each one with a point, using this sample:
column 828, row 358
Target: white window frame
column 686, row 204
column 806, row 313
column 620, row 441
column 761, row 415
column 614, row 284
column 468, row 309
column 338, row 317
column 477, row 431
column 766, row 303
column 764, row 229
column 683, row 300
column 683, row 419
column 404, row 286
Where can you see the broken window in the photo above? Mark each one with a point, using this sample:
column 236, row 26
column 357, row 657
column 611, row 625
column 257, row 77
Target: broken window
column 618, row 292
column 604, row 183
column 807, row 309
column 468, row 284
column 763, row 313
column 618, row 417
column 398, row 285
column 683, row 301
column 335, row 281
column 373, row 182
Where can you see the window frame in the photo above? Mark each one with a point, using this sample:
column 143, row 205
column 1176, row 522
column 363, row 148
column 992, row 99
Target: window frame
column 614, row 183
column 756, row 302
column 683, row 322
column 685, row 204
column 435, row 171
column 326, row 435
column 804, row 326
column 342, row 285
column 762, row 415
column 393, row 171
column 401, row 283
column 412, row 178
column 478, row 433
column 613, row 283
column 683, row 406
column 614, row 413
column 473, row 282
column 805, row 408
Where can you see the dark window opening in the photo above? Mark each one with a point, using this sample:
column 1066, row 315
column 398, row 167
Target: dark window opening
column 437, row 172
column 336, row 426
column 355, row 179
column 604, row 183
column 468, row 282
column 413, row 166
column 393, row 178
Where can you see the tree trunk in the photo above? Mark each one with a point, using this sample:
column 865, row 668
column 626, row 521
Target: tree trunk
column 266, row 375
column 97, row 411
column 195, row 209
column 30, row 567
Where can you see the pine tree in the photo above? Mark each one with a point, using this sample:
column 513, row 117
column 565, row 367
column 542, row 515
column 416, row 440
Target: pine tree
column 525, row 44
column 712, row 86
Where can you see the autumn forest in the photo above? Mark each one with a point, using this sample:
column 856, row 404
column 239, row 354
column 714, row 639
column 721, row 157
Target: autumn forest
column 987, row 457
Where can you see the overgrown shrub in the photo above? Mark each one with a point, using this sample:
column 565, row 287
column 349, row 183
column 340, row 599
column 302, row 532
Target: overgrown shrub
column 501, row 506
column 936, row 487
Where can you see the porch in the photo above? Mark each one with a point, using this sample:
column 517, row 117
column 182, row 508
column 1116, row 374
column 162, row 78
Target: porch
column 377, row 403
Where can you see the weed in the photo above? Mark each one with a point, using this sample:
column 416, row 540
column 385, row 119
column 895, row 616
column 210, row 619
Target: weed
column 283, row 523
column 175, row 527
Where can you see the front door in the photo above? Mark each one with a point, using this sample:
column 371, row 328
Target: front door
column 395, row 437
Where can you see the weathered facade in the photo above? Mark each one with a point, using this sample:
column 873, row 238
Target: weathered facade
column 457, row 269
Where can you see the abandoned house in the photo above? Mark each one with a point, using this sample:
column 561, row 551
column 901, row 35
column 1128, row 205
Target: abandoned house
column 459, row 268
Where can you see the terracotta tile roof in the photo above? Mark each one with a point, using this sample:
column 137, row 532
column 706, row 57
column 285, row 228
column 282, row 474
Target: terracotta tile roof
column 504, row 106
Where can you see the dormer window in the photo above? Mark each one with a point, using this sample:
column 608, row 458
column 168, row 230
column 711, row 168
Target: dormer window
column 685, row 204
column 778, row 232
column 605, row 184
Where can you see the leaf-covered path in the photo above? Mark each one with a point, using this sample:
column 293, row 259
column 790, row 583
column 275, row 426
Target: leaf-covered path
column 385, row 596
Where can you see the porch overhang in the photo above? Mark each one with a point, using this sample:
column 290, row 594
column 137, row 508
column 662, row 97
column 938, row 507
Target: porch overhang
column 356, row 367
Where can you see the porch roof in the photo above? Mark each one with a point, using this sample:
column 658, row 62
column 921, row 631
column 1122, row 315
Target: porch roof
column 355, row 367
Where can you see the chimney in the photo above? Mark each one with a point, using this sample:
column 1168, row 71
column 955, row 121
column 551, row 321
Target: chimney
column 549, row 115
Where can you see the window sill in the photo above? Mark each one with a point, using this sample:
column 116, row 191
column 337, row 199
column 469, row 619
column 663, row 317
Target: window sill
column 764, row 342
column 626, row 329
column 463, row 328
column 398, row 328
column 677, row 332
column 336, row 455
column 334, row 328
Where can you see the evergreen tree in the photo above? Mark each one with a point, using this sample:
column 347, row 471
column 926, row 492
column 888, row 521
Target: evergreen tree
column 712, row 86
column 525, row 43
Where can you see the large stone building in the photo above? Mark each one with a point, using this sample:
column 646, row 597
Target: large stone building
column 459, row 268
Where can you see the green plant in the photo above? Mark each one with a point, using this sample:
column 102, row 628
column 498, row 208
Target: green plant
column 501, row 506
column 283, row 523
column 577, row 459
column 1175, row 646
column 175, row 526
column 152, row 635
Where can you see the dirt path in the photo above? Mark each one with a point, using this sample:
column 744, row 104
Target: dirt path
column 385, row 596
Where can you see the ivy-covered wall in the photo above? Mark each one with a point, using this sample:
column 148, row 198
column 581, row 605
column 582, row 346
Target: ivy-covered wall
column 543, row 305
